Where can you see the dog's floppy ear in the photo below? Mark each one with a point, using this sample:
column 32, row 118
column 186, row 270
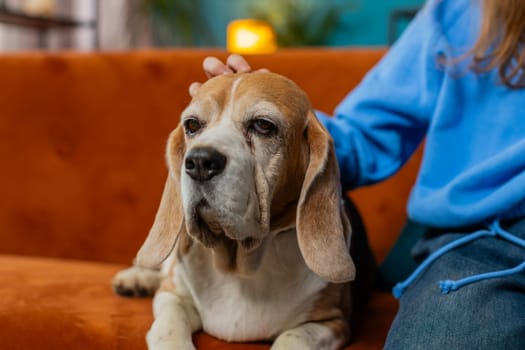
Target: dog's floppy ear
column 169, row 221
column 321, row 220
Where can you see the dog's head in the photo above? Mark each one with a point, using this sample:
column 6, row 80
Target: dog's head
column 249, row 160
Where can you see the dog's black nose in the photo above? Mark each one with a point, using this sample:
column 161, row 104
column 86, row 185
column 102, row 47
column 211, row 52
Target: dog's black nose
column 204, row 163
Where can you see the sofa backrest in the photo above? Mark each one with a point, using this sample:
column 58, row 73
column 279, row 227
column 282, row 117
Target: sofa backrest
column 82, row 140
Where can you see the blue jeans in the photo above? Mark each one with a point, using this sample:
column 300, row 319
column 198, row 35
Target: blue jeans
column 485, row 315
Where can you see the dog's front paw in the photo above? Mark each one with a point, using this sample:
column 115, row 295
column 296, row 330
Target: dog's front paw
column 171, row 344
column 158, row 340
column 136, row 282
column 311, row 336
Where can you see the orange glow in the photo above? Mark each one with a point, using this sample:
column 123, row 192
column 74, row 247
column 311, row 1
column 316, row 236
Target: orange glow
column 250, row 36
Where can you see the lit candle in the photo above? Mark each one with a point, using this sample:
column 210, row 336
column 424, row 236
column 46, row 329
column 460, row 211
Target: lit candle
column 250, row 36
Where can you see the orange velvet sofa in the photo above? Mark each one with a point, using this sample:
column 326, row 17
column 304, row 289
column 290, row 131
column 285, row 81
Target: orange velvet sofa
column 82, row 140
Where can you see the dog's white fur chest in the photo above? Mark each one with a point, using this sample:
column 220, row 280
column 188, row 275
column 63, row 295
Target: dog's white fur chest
column 277, row 297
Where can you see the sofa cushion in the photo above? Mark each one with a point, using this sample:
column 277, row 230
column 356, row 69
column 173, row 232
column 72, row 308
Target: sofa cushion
column 67, row 304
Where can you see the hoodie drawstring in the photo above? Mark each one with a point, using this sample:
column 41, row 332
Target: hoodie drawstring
column 494, row 230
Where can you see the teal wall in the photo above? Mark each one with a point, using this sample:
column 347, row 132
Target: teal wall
column 368, row 23
column 365, row 23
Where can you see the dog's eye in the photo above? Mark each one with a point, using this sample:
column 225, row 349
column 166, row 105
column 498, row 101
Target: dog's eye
column 263, row 126
column 192, row 125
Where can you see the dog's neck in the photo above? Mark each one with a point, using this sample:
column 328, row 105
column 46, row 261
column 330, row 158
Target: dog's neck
column 232, row 258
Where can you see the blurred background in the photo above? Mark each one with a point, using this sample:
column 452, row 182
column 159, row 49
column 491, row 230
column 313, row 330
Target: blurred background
column 130, row 24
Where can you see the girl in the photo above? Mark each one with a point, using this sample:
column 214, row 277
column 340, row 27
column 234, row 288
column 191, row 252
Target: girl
column 456, row 77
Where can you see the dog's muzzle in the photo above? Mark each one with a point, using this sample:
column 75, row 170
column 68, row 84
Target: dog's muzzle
column 212, row 232
column 221, row 210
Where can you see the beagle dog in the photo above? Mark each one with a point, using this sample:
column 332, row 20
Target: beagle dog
column 251, row 229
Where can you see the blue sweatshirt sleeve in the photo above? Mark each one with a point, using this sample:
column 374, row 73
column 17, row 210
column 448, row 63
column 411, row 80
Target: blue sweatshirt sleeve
column 382, row 121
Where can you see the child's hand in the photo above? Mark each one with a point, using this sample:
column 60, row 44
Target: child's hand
column 234, row 64
column 213, row 66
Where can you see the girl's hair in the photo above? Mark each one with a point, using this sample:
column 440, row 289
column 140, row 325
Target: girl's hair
column 501, row 41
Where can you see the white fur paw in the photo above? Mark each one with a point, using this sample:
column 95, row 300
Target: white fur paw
column 136, row 282
column 157, row 342
column 290, row 341
column 171, row 345
column 309, row 336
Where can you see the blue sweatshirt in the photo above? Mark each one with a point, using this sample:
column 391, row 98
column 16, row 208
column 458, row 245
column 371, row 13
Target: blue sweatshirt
column 473, row 168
